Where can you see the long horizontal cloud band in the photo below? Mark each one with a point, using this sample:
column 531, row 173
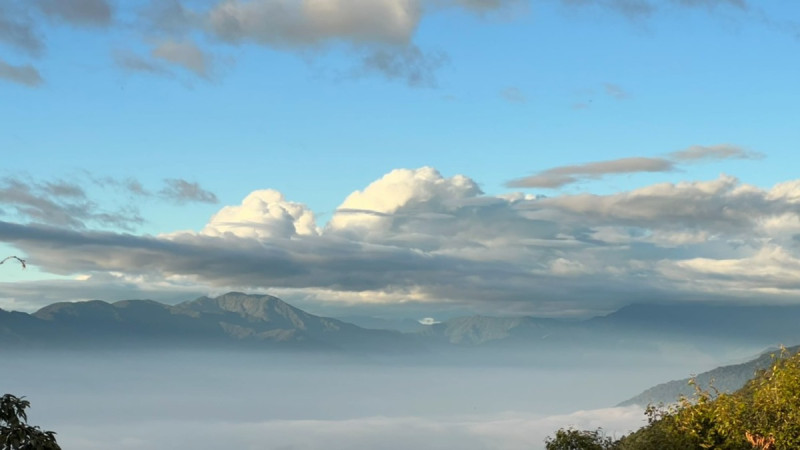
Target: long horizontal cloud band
column 565, row 175
column 440, row 239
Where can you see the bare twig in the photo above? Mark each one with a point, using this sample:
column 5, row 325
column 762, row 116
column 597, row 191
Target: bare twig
column 21, row 261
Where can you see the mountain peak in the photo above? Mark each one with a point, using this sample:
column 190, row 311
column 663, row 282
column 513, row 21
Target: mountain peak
column 93, row 308
column 252, row 308
column 256, row 306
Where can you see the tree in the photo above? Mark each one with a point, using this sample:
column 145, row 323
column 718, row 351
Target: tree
column 15, row 433
column 572, row 439
column 763, row 415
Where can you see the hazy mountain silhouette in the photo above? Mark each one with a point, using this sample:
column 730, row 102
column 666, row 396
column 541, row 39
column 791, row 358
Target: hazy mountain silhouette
column 237, row 320
column 726, row 379
column 739, row 321
column 233, row 319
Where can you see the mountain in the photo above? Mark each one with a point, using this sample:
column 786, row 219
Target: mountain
column 479, row 330
column 232, row 320
column 764, row 325
column 726, row 379
column 241, row 321
column 377, row 323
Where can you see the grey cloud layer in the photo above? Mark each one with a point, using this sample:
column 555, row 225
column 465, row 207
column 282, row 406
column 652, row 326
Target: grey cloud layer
column 17, row 30
column 78, row 12
column 642, row 9
column 65, row 204
column 192, row 34
column 410, row 64
column 415, row 235
column 280, row 22
column 564, row 175
column 185, row 54
column 560, row 176
column 723, row 151
column 182, row 191
column 60, row 203
column 25, row 74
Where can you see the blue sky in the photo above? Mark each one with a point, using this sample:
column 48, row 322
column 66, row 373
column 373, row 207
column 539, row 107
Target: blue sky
column 139, row 121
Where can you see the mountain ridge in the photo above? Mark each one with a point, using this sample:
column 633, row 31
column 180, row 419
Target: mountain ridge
column 228, row 320
column 726, row 379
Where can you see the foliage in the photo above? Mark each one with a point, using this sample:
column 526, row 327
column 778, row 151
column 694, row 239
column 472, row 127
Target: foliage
column 571, row 439
column 15, row 433
column 763, row 415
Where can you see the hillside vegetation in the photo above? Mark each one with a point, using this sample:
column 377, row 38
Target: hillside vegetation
column 764, row 415
column 726, row 379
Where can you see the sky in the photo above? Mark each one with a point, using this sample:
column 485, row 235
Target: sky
column 401, row 158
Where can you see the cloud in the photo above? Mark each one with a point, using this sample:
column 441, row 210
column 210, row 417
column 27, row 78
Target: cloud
column 401, row 191
column 288, row 23
column 509, row 431
column 721, row 204
column 716, row 152
column 561, row 176
column 263, row 215
column 60, row 203
column 181, row 191
column 615, row 91
column 185, row 54
column 64, row 203
column 78, row 12
column 643, row 9
column 29, row 296
column 428, row 321
column 416, row 235
column 17, row 30
column 632, row 9
column 170, row 17
column 132, row 62
column 741, row 4
column 26, row 75
column 513, row 94
column 409, row 64
column 485, row 5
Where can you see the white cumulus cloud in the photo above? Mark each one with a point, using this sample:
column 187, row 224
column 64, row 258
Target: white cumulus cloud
column 263, row 215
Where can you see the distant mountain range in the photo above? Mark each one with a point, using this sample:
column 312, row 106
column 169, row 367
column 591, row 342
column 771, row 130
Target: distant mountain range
column 231, row 320
column 237, row 320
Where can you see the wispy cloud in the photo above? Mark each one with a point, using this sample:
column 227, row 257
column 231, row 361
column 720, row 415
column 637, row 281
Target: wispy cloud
column 77, row 12
column 65, row 203
column 615, row 91
column 644, row 9
column 185, row 54
column 561, row 176
column 60, row 203
column 409, row 64
column 564, row 175
column 632, row 9
column 26, row 74
column 278, row 23
column 131, row 62
column 741, row 4
column 182, row 191
column 191, row 34
column 513, row 94
column 17, row 30
column 698, row 153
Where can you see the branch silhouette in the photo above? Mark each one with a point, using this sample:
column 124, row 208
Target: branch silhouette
column 21, row 261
